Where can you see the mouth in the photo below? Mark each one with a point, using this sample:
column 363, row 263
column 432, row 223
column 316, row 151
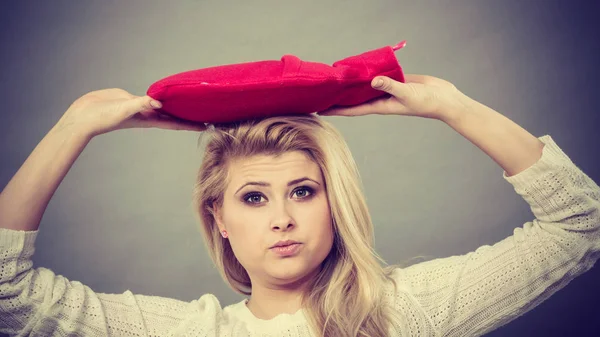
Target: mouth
column 287, row 250
column 285, row 243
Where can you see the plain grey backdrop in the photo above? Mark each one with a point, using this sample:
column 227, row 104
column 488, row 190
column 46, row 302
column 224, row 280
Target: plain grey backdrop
column 121, row 219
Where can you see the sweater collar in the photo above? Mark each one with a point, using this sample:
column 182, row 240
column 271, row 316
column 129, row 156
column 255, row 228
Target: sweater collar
column 241, row 310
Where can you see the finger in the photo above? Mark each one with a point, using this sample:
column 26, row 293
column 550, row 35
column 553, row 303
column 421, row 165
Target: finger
column 163, row 115
column 390, row 86
column 154, row 115
column 138, row 104
column 174, row 125
column 149, row 115
column 357, row 110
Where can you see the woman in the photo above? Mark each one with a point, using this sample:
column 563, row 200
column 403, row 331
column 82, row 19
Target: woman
column 265, row 182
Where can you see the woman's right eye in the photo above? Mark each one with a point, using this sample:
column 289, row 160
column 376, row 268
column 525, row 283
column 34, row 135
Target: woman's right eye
column 256, row 197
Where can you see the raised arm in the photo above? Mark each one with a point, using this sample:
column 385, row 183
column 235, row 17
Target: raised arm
column 25, row 198
column 474, row 293
column 39, row 302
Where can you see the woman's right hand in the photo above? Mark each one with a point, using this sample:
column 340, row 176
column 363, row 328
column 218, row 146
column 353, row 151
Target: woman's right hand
column 106, row 110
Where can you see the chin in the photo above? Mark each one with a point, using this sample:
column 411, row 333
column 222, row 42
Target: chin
column 291, row 272
column 288, row 273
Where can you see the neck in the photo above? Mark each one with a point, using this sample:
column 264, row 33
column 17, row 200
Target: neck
column 268, row 300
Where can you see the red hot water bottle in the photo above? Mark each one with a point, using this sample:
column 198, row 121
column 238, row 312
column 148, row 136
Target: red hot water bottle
column 254, row 90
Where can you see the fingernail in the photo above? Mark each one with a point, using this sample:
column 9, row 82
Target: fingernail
column 378, row 83
column 155, row 104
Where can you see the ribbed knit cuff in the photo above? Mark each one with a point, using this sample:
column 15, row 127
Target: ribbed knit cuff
column 22, row 240
column 552, row 156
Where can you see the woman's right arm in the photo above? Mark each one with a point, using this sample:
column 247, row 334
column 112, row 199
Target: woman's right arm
column 38, row 302
column 25, row 198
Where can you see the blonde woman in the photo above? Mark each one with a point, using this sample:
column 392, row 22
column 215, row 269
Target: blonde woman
column 281, row 208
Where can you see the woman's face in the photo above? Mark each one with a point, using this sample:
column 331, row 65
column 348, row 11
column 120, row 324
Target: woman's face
column 257, row 216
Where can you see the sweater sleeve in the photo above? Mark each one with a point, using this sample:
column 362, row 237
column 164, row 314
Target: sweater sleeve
column 37, row 302
column 475, row 293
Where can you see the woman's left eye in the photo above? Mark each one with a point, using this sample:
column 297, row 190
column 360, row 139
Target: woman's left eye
column 305, row 189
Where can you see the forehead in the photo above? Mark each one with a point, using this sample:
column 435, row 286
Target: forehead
column 270, row 168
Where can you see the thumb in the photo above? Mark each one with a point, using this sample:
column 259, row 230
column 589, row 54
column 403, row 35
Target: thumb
column 138, row 104
column 388, row 85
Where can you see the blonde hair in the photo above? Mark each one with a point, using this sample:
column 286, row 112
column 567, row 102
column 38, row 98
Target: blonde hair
column 347, row 297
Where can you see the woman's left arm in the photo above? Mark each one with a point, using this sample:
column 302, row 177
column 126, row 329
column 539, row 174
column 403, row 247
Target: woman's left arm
column 474, row 293
column 507, row 143
column 477, row 292
column 493, row 285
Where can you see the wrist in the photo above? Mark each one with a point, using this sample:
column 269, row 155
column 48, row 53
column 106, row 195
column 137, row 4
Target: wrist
column 65, row 128
column 460, row 105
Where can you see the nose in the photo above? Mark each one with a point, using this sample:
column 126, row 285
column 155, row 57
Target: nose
column 282, row 221
column 285, row 227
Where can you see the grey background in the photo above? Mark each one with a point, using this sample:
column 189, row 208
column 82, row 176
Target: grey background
column 121, row 219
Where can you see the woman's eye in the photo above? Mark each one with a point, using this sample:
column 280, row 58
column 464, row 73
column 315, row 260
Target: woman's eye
column 254, row 198
column 305, row 189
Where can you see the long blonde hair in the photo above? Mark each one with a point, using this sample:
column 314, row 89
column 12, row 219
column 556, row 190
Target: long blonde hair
column 347, row 297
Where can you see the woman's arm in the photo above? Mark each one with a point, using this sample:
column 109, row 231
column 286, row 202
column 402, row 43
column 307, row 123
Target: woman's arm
column 38, row 301
column 479, row 291
column 507, row 143
column 25, row 198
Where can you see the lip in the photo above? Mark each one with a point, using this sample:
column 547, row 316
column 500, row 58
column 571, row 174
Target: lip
column 287, row 250
column 284, row 243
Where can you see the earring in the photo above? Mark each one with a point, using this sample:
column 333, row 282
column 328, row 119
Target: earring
column 224, row 233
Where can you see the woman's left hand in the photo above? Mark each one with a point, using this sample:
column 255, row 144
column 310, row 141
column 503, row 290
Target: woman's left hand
column 420, row 95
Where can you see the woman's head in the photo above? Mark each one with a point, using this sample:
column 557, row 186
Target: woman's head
column 269, row 198
column 326, row 212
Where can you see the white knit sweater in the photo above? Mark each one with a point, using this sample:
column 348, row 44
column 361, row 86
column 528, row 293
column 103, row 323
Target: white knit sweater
column 464, row 295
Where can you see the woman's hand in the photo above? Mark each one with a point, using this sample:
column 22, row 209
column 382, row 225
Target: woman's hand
column 420, row 95
column 106, row 110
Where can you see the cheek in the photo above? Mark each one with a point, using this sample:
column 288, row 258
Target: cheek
column 245, row 238
column 321, row 222
column 246, row 248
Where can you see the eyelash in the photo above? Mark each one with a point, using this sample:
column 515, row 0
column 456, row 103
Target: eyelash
column 253, row 194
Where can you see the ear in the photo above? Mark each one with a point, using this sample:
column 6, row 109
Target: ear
column 218, row 219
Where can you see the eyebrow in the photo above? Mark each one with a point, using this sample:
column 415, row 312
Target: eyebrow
column 262, row 183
